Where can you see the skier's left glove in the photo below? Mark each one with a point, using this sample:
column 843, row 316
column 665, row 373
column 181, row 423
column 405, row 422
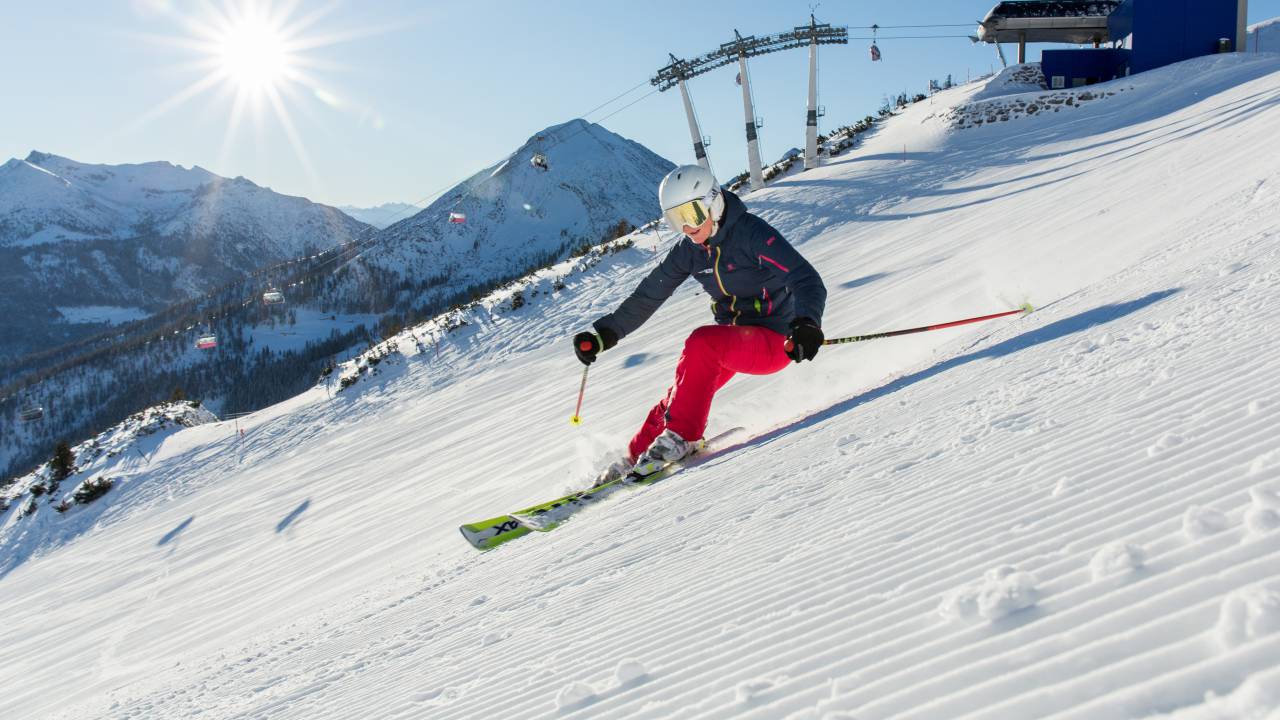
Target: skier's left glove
column 805, row 339
column 587, row 345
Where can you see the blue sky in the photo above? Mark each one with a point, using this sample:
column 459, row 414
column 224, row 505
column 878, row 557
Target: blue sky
column 402, row 99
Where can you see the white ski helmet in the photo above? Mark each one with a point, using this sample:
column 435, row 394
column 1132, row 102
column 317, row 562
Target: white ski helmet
column 690, row 195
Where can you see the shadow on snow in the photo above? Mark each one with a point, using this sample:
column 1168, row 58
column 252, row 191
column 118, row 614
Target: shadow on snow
column 1053, row 331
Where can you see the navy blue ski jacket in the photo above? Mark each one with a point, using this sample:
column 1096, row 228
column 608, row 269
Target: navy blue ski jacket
column 753, row 275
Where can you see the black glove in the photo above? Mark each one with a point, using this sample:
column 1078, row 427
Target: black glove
column 587, row 345
column 804, row 340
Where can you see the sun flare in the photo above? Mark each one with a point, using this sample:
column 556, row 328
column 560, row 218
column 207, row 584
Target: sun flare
column 253, row 54
column 258, row 60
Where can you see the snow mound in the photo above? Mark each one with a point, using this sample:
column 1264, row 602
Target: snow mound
column 575, row 695
column 1201, row 522
column 1117, row 558
column 1258, row 698
column 1248, row 614
column 629, row 672
column 1003, row 591
column 1263, row 515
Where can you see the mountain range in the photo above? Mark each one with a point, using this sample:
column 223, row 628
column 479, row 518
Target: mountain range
column 381, row 216
column 83, row 243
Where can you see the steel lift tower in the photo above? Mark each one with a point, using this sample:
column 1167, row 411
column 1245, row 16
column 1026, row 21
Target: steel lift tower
column 741, row 48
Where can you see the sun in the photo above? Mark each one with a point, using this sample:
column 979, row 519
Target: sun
column 253, row 59
column 253, row 53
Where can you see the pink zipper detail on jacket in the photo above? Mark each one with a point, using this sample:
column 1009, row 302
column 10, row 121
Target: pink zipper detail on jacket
column 774, row 263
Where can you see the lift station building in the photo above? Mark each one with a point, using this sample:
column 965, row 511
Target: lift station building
column 1139, row 35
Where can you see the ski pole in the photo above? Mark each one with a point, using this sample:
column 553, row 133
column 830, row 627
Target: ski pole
column 582, row 389
column 1026, row 308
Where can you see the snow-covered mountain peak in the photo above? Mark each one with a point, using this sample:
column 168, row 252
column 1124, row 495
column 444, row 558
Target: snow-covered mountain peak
column 125, row 183
column 515, row 212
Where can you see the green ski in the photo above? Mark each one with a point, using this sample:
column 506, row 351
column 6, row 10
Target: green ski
column 544, row 517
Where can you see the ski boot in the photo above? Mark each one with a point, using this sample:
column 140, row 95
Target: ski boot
column 667, row 448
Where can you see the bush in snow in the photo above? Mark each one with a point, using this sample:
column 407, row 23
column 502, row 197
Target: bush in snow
column 63, row 462
column 91, row 490
column 517, row 300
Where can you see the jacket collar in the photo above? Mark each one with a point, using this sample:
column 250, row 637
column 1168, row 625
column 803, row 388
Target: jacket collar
column 734, row 209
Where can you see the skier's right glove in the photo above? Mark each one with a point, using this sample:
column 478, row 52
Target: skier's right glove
column 587, row 345
column 804, row 340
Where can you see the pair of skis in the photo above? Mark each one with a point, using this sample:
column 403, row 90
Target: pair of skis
column 545, row 517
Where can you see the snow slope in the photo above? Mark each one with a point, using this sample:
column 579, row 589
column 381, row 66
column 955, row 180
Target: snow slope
column 1069, row 515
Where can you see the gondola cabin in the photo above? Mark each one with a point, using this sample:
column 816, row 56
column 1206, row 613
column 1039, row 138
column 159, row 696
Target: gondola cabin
column 875, row 53
column 31, row 413
column 207, row 342
column 457, row 218
column 273, row 297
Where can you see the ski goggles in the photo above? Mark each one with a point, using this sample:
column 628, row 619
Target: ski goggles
column 692, row 214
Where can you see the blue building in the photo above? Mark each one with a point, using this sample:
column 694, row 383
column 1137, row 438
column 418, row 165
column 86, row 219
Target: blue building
column 1163, row 32
column 1140, row 34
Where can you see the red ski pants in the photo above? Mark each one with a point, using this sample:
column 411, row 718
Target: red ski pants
column 712, row 355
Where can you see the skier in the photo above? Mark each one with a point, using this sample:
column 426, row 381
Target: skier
column 767, row 302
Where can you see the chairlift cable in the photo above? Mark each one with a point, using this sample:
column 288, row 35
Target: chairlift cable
column 900, row 27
